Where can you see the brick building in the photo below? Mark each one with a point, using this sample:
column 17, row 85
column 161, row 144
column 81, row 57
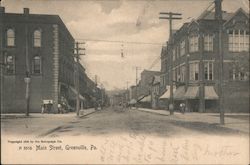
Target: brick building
column 49, row 46
column 195, row 62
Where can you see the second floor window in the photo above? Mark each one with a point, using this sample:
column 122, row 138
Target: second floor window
column 238, row 40
column 208, row 70
column 208, row 42
column 183, row 70
column 10, row 37
column 37, row 65
column 193, row 43
column 174, row 57
column 10, row 64
column 194, row 71
column 182, row 46
column 37, row 38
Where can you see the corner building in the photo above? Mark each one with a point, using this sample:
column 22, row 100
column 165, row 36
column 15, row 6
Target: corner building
column 48, row 44
column 195, row 60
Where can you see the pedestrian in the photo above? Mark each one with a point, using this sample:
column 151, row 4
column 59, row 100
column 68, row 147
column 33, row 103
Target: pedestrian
column 42, row 108
column 182, row 107
column 59, row 108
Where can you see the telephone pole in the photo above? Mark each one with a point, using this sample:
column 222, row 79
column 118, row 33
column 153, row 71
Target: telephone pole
column 136, row 82
column 77, row 57
column 27, row 79
column 218, row 18
column 171, row 16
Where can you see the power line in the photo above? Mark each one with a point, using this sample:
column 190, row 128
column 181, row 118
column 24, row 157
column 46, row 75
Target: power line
column 128, row 42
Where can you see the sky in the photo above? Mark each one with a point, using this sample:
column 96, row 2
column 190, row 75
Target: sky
column 135, row 24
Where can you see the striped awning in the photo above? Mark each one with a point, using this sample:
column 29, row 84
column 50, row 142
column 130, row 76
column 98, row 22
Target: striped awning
column 73, row 94
column 192, row 92
column 179, row 93
column 210, row 93
column 166, row 95
column 146, row 99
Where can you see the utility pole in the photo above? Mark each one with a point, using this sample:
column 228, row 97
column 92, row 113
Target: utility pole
column 136, row 82
column 171, row 16
column 1, row 58
column 218, row 18
column 77, row 57
column 27, row 79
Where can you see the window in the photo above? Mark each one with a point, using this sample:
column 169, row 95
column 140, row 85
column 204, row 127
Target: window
column 194, row 71
column 193, row 43
column 37, row 65
column 183, row 73
column 178, row 74
column 10, row 37
column 241, row 75
column 37, row 38
column 208, row 42
column 174, row 74
column 173, row 54
column 10, row 64
column 177, row 52
column 208, row 70
column 238, row 40
column 183, row 51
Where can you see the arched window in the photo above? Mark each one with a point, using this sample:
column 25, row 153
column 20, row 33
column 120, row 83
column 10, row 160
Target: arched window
column 10, row 37
column 37, row 38
column 37, row 64
column 10, row 64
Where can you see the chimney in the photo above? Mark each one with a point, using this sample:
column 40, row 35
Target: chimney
column 2, row 9
column 218, row 9
column 26, row 11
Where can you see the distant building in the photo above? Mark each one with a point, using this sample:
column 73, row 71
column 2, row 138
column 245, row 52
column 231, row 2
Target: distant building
column 144, row 86
column 195, row 63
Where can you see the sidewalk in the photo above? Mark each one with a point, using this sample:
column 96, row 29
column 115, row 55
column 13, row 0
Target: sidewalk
column 235, row 121
column 83, row 112
column 160, row 112
column 38, row 124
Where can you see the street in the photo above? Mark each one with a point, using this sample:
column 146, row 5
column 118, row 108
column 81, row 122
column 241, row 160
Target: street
column 117, row 120
column 117, row 135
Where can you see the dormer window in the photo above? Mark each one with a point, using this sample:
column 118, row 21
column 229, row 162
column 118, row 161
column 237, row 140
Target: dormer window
column 193, row 43
column 238, row 40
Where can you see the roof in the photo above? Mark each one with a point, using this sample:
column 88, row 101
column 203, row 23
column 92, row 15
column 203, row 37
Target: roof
column 156, row 79
column 36, row 18
column 208, row 15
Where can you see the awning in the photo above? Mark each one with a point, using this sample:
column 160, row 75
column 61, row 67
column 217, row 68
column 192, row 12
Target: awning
column 133, row 101
column 73, row 94
column 210, row 93
column 179, row 93
column 146, row 99
column 192, row 92
column 166, row 95
column 141, row 97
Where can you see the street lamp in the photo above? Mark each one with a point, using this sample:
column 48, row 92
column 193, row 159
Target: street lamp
column 27, row 80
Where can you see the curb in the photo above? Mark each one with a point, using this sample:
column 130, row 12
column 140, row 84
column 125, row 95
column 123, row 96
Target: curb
column 153, row 112
column 60, row 127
